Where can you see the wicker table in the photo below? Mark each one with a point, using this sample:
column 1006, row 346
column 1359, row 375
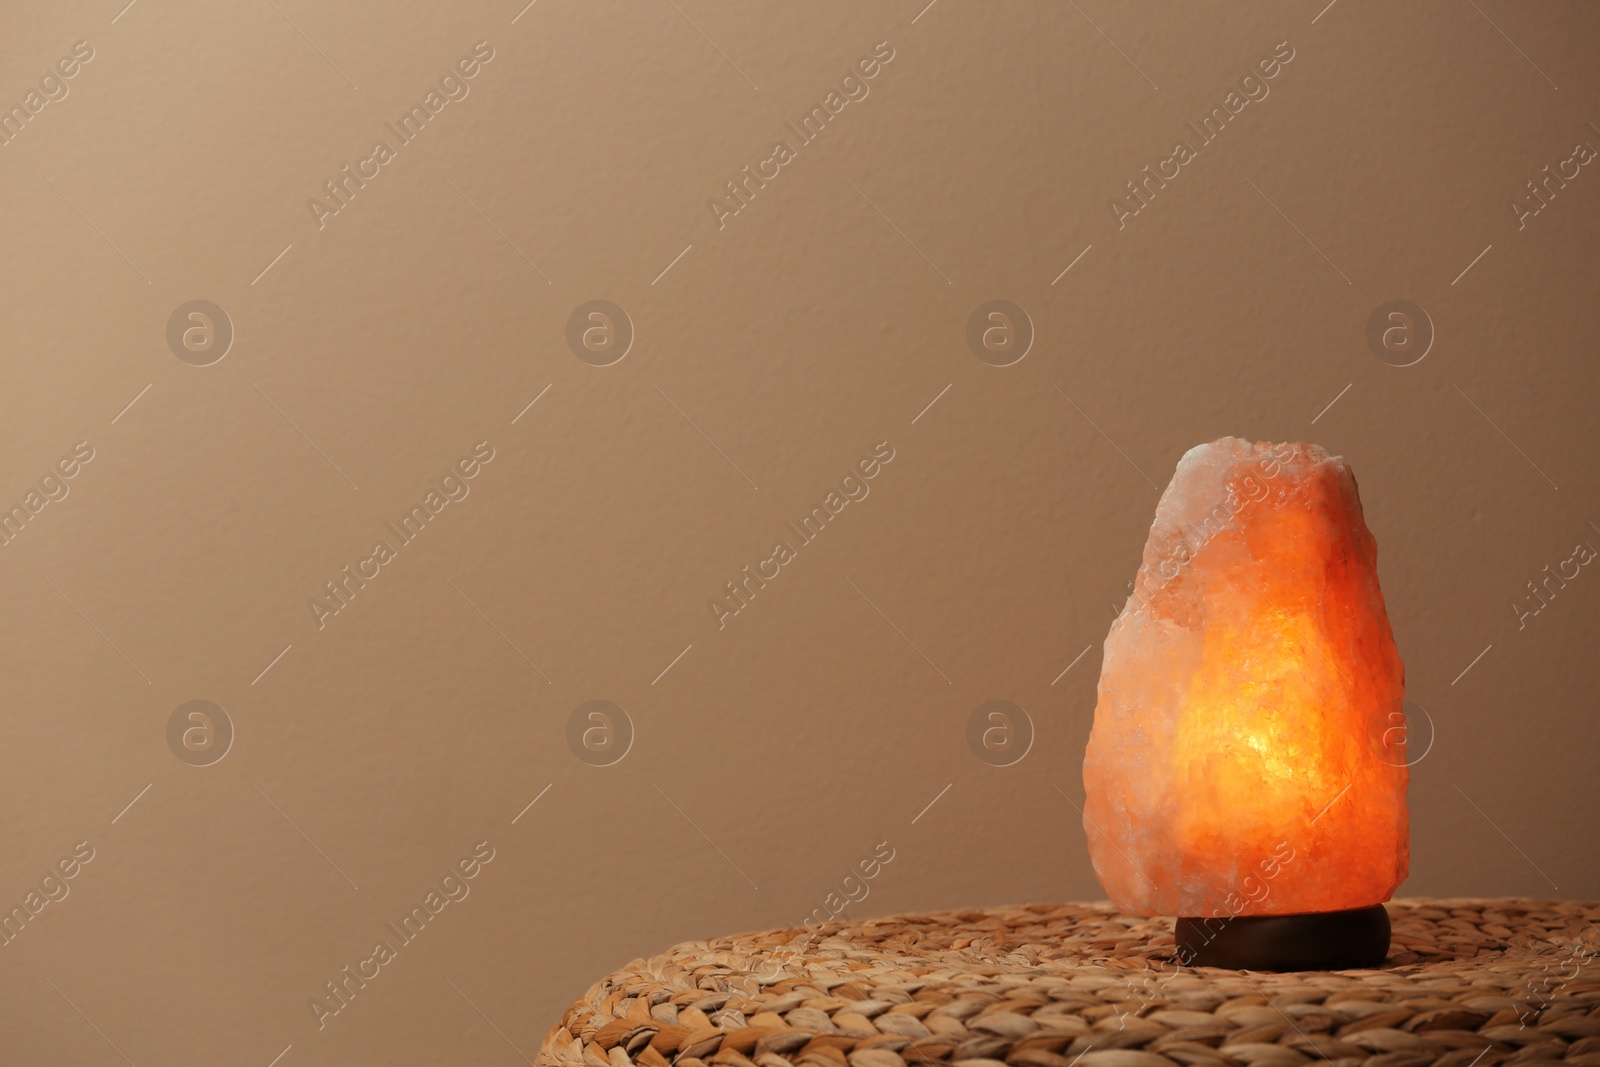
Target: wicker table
column 1467, row 982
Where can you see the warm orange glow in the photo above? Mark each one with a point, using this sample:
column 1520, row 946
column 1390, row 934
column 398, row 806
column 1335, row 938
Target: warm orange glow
column 1243, row 759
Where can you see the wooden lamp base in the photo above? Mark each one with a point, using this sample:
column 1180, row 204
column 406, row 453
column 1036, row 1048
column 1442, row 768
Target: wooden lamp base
column 1316, row 941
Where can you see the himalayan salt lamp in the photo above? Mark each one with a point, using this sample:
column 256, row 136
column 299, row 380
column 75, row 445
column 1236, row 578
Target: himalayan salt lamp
column 1243, row 772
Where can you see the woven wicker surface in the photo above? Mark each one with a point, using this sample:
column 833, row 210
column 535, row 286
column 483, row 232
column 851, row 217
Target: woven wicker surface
column 1481, row 982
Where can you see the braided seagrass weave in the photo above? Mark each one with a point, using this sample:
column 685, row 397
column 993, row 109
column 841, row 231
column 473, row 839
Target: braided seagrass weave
column 1468, row 983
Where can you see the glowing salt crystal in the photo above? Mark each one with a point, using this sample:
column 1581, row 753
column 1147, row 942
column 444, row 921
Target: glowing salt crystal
column 1248, row 752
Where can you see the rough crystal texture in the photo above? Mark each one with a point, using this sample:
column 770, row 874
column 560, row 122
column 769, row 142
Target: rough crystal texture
column 1248, row 749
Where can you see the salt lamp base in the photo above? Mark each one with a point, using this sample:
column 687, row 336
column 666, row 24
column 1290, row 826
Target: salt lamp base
column 1317, row 941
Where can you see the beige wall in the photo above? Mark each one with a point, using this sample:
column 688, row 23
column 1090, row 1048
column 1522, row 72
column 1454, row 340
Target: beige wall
column 775, row 352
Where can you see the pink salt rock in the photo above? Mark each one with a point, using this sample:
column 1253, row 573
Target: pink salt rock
column 1248, row 749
